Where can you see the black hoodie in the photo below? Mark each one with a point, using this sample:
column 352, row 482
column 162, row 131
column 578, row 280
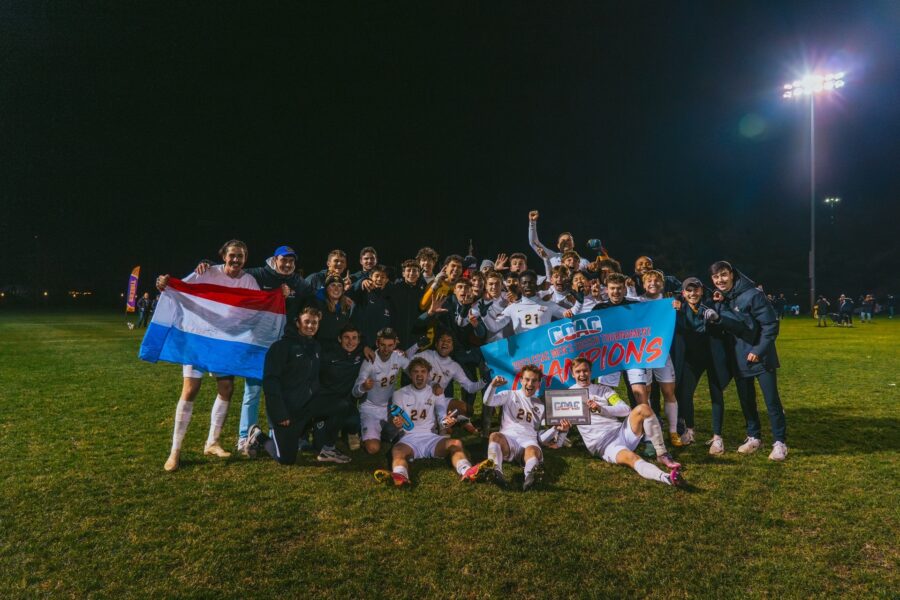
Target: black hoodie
column 290, row 375
column 268, row 279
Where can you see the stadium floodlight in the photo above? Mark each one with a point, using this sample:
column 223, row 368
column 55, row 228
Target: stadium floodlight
column 808, row 87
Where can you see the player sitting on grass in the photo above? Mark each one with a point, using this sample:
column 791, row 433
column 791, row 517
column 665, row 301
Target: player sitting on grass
column 419, row 440
column 522, row 415
column 376, row 382
column 613, row 440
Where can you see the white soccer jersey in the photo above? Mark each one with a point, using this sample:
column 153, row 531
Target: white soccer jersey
column 506, row 331
column 216, row 274
column 521, row 416
column 384, row 373
column 563, row 298
column 420, row 406
column 445, row 370
column 604, row 425
column 586, row 305
column 524, row 315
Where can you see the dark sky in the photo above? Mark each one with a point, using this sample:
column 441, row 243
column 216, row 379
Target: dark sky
column 143, row 133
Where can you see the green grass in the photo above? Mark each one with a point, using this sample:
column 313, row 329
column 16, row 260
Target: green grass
column 86, row 509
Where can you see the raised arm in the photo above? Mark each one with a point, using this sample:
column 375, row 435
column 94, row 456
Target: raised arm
column 533, row 240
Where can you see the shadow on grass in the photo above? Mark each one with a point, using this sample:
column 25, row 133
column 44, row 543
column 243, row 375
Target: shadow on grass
column 824, row 432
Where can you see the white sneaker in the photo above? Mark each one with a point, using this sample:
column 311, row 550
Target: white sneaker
column 243, row 448
column 353, row 441
column 750, row 445
column 332, row 456
column 779, row 451
column 687, row 437
column 716, row 446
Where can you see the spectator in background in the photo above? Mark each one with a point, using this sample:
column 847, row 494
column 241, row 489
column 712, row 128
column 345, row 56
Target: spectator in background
column 145, row 307
column 890, row 306
column 822, row 305
column 845, row 308
column 780, row 305
column 868, row 309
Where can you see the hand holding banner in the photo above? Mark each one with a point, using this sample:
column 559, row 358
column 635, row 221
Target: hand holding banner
column 631, row 336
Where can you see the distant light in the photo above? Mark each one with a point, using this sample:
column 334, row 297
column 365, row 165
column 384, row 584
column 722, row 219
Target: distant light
column 813, row 83
column 121, row 295
column 839, row 75
column 2, row 294
column 839, row 83
column 45, row 294
column 787, row 95
column 788, row 86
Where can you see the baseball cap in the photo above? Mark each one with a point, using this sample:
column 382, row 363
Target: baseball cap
column 691, row 282
column 285, row 251
column 333, row 279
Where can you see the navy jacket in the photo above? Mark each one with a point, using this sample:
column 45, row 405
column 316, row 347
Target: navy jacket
column 290, row 375
column 751, row 304
column 405, row 299
column 268, row 279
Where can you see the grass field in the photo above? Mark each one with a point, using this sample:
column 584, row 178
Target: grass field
column 86, row 509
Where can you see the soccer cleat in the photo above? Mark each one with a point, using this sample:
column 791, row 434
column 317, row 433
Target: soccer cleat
column 477, row 472
column 750, row 445
column 215, row 449
column 779, row 451
column 667, row 461
column 675, row 477
column 353, row 442
column 400, row 479
column 498, row 478
column 533, row 477
column 716, row 446
column 172, row 462
column 332, row 456
column 649, row 450
column 687, row 438
column 675, row 439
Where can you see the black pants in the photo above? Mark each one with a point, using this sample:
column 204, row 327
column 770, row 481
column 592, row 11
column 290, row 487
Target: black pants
column 687, row 385
column 768, row 383
column 282, row 440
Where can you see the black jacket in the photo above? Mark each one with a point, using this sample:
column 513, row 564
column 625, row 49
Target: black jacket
column 374, row 310
column 268, row 279
column 405, row 299
column 338, row 371
column 456, row 322
column 331, row 322
column 705, row 344
column 744, row 299
column 290, row 375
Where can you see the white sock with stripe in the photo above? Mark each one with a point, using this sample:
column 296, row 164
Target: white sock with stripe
column 652, row 472
column 183, row 411
column 402, row 471
column 495, row 453
column 462, row 466
column 530, row 464
column 217, row 419
column 653, row 432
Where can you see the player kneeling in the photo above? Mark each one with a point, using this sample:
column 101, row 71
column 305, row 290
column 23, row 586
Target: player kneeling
column 414, row 406
column 613, row 440
column 518, row 440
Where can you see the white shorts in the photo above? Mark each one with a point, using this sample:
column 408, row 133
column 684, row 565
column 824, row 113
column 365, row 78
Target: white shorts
column 664, row 375
column 189, row 372
column 422, row 444
column 517, row 445
column 373, row 420
column 625, row 440
column 611, row 379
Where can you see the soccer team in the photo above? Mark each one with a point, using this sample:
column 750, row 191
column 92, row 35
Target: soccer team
column 376, row 360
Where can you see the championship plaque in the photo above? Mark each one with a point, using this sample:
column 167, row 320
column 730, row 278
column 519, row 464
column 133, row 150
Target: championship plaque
column 571, row 405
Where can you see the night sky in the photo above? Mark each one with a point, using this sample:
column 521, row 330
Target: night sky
column 137, row 133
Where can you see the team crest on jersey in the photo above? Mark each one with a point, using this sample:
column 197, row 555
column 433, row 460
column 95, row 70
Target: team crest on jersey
column 575, row 329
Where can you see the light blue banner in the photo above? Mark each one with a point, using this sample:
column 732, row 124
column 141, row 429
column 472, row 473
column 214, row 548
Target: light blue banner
column 632, row 336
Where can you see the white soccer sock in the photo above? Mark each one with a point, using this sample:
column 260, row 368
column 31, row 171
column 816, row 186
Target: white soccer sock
column 530, row 464
column 495, row 454
column 401, row 470
column 672, row 416
column 463, row 466
column 183, row 411
column 649, row 471
column 653, row 431
column 217, row 419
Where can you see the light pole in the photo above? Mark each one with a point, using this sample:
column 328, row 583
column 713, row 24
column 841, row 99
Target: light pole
column 809, row 86
column 831, row 202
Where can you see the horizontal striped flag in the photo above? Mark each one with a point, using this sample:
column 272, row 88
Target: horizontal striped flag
column 214, row 328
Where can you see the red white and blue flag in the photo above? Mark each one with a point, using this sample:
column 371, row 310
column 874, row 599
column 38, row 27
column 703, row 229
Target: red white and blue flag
column 214, row 328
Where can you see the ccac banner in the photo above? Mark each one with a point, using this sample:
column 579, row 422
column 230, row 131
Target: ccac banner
column 633, row 336
column 131, row 296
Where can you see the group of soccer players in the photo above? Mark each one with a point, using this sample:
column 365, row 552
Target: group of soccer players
column 378, row 361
